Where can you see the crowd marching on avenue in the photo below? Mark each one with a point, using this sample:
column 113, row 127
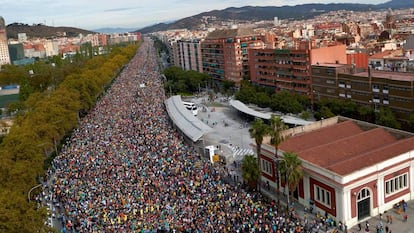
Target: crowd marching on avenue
column 126, row 169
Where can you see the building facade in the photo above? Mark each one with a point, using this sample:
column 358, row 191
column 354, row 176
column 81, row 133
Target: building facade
column 290, row 69
column 189, row 55
column 352, row 170
column 225, row 54
column 369, row 88
column 325, row 83
column 4, row 48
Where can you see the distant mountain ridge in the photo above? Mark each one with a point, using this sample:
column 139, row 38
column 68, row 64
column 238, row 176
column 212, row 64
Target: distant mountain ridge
column 114, row 30
column 304, row 11
column 43, row 31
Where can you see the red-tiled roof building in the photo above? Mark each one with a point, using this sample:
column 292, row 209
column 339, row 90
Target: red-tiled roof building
column 352, row 169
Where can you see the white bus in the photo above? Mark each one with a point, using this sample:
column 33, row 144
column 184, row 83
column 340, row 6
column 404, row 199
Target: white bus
column 192, row 107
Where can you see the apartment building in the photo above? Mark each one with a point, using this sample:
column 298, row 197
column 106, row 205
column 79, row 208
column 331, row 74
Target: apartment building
column 189, row 55
column 371, row 87
column 225, row 53
column 325, row 81
column 51, row 47
column 4, row 48
column 290, row 69
column 389, row 60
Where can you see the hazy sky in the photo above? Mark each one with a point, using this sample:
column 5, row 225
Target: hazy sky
column 94, row 14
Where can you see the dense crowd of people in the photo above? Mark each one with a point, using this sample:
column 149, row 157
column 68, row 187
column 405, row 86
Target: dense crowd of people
column 126, row 169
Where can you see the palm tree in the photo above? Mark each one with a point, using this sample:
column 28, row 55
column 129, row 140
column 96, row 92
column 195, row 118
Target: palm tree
column 290, row 167
column 250, row 170
column 258, row 131
column 276, row 135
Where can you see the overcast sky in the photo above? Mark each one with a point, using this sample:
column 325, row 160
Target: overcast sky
column 94, row 14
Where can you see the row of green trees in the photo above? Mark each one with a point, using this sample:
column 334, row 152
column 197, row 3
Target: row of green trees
column 44, row 116
column 326, row 108
column 288, row 165
column 160, row 46
column 184, row 82
column 284, row 102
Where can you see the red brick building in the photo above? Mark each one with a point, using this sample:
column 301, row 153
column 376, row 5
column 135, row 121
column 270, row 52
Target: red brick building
column 290, row 69
column 352, row 169
column 225, row 53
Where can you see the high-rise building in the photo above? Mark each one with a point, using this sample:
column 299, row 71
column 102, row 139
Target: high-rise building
column 4, row 48
column 225, row 53
column 189, row 55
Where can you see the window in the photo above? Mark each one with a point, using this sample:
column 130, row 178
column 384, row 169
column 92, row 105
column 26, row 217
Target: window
column 322, row 196
column 266, row 167
column 396, row 184
column 330, row 81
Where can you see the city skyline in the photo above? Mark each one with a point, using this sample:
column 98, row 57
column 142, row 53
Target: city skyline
column 94, row 14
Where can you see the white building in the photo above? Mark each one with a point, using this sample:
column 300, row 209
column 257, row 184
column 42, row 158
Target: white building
column 4, row 48
column 51, row 48
column 352, row 170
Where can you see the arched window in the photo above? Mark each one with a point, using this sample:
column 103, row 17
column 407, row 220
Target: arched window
column 363, row 194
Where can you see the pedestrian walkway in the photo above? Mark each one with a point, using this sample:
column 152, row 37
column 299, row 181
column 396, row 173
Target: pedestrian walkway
column 396, row 225
column 235, row 154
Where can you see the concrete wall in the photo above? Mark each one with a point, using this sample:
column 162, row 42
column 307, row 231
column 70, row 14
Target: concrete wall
column 331, row 54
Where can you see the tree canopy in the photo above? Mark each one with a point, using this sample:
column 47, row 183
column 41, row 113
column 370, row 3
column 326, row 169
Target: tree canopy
column 184, row 81
column 250, row 170
column 290, row 167
column 47, row 112
column 284, row 101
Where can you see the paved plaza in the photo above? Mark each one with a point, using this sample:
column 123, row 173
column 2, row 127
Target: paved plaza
column 231, row 132
column 230, row 129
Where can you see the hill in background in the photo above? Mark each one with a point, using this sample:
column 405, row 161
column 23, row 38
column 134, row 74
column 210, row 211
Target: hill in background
column 40, row 30
column 256, row 13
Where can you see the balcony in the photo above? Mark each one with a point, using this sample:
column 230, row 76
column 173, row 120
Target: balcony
column 266, row 82
column 266, row 76
column 299, row 59
column 377, row 90
column 385, row 91
column 284, row 79
column 341, row 85
column 300, row 67
column 386, row 102
column 302, row 89
column 283, row 72
column 281, row 65
column 284, row 86
column 301, row 74
column 301, row 81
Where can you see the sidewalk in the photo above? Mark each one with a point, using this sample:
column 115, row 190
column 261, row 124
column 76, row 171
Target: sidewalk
column 398, row 224
column 239, row 136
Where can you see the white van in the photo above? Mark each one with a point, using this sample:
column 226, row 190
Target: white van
column 192, row 107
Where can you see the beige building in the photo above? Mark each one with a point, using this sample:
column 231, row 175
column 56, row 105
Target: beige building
column 4, row 49
column 189, row 55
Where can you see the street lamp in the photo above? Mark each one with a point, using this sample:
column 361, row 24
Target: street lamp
column 375, row 104
column 313, row 98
